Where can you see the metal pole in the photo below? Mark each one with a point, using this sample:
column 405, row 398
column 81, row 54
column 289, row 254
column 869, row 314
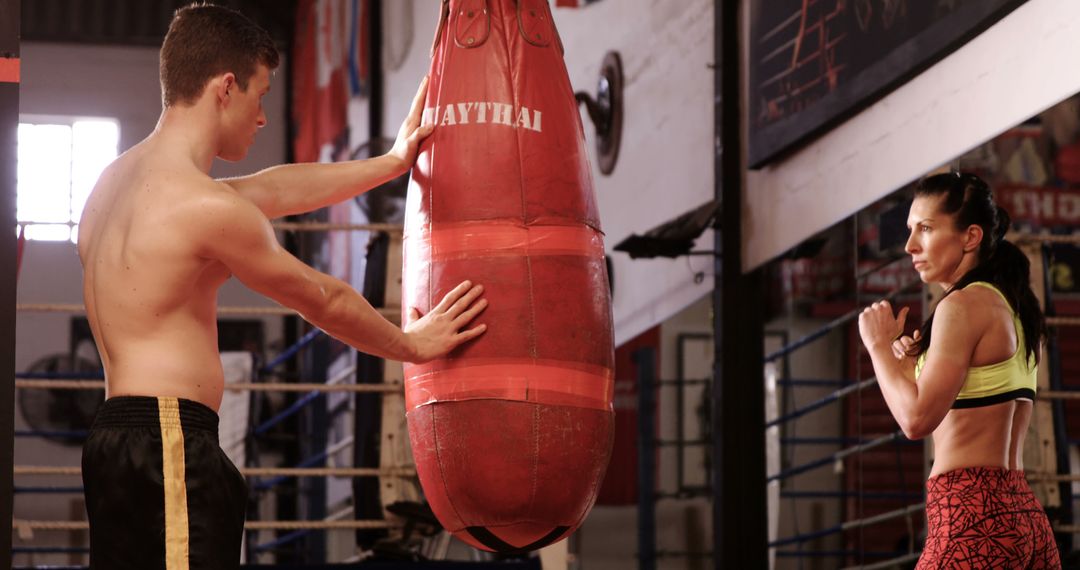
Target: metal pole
column 645, row 360
column 739, row 499
column 9, row 120
column 1061, row 437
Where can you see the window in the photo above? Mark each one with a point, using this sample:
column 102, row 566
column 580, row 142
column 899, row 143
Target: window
column 60, row 160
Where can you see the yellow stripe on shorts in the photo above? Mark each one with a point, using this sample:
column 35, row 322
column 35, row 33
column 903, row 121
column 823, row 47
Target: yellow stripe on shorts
column 172, row 466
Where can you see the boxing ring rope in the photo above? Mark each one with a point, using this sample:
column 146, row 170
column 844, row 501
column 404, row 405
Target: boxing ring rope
column 73, row 308
column 48, row 490
column 850, row 525
column 849, row 495
column 824, row 401
column 1073, row 239
column 312, row 395
column 834, row 324
column 845, row 388
column 327, row 226
column 91, row 381
column 1059, row 395
column 291, row 351
column 838, row 457
column 88, row 384
column 52, row 433
column 833, row 459
column 290, row 226
column 813, row 382
column 1062, row 321
column 249, row 471
column 249, row 525
column 843, row 392
column 306, row 468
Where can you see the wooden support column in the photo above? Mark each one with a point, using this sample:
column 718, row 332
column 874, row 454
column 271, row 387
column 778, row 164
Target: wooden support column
column 740, row 508
column 9, row 121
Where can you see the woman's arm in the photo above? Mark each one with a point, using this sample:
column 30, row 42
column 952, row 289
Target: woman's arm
column 919, row 405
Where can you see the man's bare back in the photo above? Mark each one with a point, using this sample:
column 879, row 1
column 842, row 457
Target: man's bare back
column 150, row 298
column 159, row 237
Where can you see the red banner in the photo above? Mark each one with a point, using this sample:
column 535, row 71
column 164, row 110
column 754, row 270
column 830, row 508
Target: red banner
column 1040, row 206
column 620, row 485
column 320, row 94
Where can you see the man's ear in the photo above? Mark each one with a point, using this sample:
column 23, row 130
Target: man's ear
column 973, row 238
column 225, row 86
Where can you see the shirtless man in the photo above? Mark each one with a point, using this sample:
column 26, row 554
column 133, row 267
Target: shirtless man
column 158, row 237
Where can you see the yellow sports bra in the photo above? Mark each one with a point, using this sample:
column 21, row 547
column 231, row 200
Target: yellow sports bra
column 1010, row 379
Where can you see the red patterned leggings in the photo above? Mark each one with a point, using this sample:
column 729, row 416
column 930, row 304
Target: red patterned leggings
column 985, row 517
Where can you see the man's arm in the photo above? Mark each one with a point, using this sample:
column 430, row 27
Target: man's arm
column 236, row 233
column 297, row 188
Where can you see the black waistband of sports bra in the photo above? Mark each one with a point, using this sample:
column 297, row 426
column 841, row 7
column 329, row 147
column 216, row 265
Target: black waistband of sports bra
column 1017, row 394
column 145, row 411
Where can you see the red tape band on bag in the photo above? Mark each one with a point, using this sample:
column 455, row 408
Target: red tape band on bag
column 495, row 239
column 516, row 380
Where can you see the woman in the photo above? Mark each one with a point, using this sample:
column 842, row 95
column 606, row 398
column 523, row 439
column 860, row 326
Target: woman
column 968, row 377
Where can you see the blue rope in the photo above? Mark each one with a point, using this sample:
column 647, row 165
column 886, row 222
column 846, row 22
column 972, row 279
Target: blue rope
column 291, row 351
column 292, row 536
column 287, row 413
column 316, row 459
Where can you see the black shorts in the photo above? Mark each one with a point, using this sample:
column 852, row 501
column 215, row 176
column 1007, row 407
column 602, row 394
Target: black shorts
column 160, row 492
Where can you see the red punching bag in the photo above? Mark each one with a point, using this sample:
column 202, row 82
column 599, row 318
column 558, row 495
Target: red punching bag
column 512, row 432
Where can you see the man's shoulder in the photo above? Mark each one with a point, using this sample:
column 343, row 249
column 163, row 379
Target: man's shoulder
column 203, row 201
column 187, row 187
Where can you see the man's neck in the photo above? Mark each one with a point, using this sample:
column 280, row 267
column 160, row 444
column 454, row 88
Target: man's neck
column 185, row 131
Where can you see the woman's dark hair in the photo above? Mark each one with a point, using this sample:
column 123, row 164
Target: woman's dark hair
column 1001, row 263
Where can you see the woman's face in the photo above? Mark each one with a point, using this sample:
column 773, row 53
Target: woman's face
column 940, row 252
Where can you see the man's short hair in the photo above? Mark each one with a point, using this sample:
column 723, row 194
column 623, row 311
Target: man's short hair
column 204, row 41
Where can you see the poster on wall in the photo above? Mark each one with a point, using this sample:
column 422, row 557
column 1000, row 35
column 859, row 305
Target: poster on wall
column 813, row 63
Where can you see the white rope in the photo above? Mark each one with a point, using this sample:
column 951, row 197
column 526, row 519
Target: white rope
column 1053, row 477
column 1046, row 238
column 299, row 226
column 1067, row 528
column 391, row 313
column 22, row 525
column 91, row 384
column 1063, row 321
column 403, row 472
column 1058, row 395
column 326, row 226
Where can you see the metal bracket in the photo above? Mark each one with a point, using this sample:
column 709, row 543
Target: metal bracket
column 606, row 111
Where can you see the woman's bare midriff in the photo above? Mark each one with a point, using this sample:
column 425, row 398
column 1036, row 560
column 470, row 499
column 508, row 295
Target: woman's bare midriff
column 990, row 436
